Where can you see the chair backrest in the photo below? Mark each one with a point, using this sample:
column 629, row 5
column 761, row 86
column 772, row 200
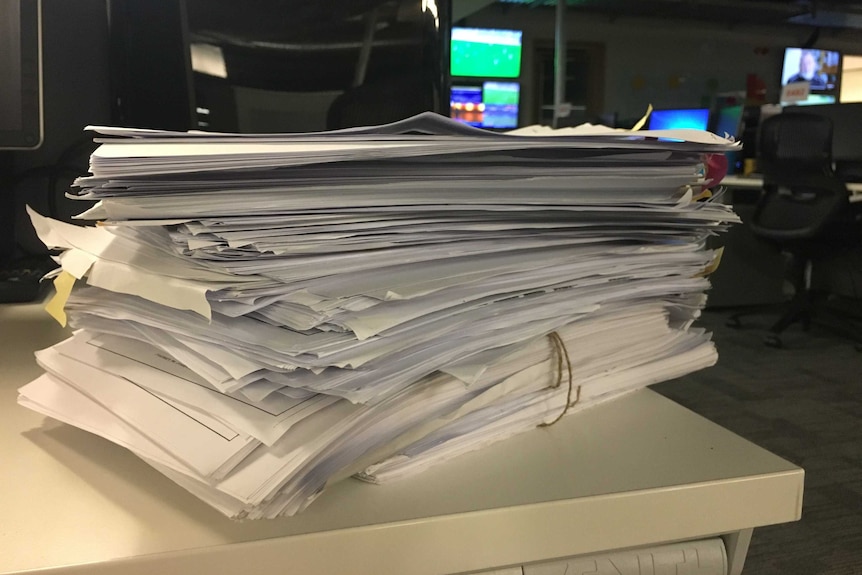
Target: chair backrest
column 795, row 144
column 802, row 198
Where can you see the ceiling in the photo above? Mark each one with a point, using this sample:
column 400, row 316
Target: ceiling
column 834, row 14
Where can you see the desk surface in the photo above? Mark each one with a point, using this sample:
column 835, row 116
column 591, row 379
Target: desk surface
column 743, row 181
column 637, row 471
column 756, row 182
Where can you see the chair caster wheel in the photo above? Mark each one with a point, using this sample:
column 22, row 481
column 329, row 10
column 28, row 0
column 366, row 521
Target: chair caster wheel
column 772, row 340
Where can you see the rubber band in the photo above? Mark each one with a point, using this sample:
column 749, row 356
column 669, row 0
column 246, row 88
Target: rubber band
column 563, row 353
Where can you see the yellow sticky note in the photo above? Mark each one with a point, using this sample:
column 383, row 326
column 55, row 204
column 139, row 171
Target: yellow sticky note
column 57, row 306
column 716, row 261
column 642, row 122
column 704, row 195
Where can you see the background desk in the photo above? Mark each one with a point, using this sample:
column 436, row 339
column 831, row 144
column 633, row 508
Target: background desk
column 639, row 471
column 756, row 182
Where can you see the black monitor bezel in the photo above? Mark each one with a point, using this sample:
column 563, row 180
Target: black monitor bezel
column 31, row 132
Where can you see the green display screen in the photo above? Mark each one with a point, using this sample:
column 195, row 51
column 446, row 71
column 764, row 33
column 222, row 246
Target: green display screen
column 485, row 52
column 500, row 93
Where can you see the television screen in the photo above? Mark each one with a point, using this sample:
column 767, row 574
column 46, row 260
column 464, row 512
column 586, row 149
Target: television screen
column 820, row 68
column 696, row 118
column 465, row 105
column 501, row 104
column 485, row 52
column 492, row 105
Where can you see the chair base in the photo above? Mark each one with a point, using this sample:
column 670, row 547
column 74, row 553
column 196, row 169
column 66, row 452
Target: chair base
column 804, row 309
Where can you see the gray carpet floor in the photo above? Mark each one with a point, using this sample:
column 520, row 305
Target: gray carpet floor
column 804, row 403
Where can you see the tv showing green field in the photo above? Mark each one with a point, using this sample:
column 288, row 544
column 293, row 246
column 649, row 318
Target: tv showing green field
column 485, row 52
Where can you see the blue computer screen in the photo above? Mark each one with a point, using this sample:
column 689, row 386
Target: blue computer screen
column 491, row 105
column 696, row 118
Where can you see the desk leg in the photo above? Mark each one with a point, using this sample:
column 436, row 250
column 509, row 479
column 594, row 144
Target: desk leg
column 736, row 544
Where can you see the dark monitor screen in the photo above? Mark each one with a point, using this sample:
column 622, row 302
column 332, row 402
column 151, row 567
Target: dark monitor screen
column 269, row 66
column 20, row 71
column 820, row 68
column 695, row 118
column 491, row 105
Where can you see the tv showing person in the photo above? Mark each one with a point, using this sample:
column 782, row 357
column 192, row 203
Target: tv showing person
column 809, row 70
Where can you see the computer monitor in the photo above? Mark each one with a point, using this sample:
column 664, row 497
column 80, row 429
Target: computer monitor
column 485, row 53
column 465, row 104
column 674, row 119
column 501, row 104
column 727, row 121
column 489, row 104
column 21, row 73
column 820, row 68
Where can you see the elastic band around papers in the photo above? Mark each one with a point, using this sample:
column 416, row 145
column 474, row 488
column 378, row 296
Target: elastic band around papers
column 563, row 353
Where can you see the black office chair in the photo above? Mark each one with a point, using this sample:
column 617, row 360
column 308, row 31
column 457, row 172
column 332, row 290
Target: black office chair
column 804, row 209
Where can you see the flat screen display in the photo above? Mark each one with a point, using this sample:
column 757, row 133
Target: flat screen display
column 728, row 121
column 485, row 53
column 20, row 71
column 820, row 68
column 675, row 119
column 490, row 104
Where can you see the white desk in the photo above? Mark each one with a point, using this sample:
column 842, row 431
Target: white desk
column 756, row 182
column 748, row 182
column 639, row 471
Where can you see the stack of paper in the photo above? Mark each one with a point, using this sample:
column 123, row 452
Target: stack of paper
column 264, row 315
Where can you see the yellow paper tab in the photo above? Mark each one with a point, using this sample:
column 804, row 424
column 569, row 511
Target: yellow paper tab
column 704, row 195
column 642, row 122
column 716, row 261
column 57, row 306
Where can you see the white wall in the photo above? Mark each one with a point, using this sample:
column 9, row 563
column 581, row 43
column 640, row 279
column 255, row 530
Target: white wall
column 851, row 79
column 665, row 63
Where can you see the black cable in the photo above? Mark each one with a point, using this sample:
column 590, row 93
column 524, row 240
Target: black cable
column 812, row 39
